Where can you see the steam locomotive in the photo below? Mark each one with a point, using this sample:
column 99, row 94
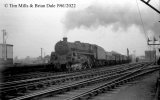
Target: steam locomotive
column 77, row 56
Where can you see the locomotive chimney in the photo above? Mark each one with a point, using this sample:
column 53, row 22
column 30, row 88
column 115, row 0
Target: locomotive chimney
column 65, row 39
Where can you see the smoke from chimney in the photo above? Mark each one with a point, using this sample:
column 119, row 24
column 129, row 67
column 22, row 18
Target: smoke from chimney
column 117, row 16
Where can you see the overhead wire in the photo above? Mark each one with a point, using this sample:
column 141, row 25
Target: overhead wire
column 141, row 20
column 147, row 38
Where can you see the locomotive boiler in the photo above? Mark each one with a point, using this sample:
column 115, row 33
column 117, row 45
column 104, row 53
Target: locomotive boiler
column 77, row 55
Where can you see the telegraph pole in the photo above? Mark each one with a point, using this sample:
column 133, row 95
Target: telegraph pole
column 4, row 50
column 41, row 53
column 3, row 35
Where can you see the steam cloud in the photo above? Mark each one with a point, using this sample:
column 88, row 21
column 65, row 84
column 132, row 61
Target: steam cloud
column 118, row 16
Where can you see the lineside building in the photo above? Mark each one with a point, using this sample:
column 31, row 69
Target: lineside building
column 6, row 55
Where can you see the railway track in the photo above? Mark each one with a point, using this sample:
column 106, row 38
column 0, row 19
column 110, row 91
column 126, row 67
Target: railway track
column 86, row 89
column 26, row 76
column 24, row 85
column 31, row 75
column 36, row 86
column 93, row 90
column 54, row 76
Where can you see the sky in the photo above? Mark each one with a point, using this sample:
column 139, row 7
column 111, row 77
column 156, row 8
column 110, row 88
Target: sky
column 112, row 24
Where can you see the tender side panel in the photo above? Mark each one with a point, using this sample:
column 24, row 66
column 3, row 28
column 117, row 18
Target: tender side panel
column 101, row 54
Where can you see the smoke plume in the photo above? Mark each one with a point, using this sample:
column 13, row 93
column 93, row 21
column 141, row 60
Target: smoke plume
column 123, row 17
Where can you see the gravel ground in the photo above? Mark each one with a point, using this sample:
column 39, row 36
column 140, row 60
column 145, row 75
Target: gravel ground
column 141, row 89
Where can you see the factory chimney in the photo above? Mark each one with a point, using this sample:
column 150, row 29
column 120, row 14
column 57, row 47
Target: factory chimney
column 65, row 39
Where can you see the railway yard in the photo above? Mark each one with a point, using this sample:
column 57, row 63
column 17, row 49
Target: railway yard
column 96, row 50
column 93, row 83
column 76, row 71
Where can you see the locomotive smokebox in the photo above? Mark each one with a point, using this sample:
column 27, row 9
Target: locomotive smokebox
column 61, row 47
column 65, row 39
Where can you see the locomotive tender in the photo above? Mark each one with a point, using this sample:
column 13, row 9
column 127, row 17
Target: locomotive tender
column 77, row 55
